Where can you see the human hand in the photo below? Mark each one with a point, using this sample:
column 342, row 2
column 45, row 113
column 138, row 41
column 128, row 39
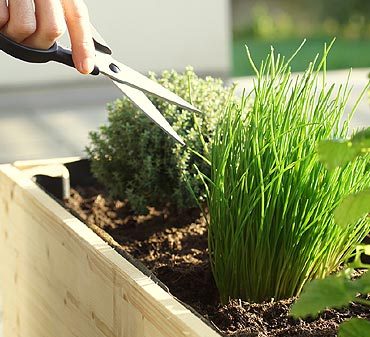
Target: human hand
column 39, row 23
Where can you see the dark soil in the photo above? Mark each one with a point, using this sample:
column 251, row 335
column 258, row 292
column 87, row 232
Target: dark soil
column 174, row 247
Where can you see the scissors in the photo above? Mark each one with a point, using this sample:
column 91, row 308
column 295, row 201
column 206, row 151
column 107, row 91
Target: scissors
column 133, row 84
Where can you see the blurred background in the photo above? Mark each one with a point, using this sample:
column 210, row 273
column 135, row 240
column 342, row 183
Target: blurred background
column 285, row 23
column 47, row 110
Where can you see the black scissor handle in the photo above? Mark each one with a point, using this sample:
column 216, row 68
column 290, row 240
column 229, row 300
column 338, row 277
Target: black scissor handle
column 33, row 55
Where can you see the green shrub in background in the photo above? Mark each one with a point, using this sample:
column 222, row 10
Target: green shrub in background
column 270, row 200
column 136, row 160
column 281, row 19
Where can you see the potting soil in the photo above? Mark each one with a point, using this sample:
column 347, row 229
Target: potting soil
column 173, row 245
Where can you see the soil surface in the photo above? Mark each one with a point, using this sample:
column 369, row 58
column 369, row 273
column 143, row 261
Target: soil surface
column 174, row 247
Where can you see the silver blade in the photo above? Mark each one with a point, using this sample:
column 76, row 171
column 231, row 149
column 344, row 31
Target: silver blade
column 134, row 79
column 145, row 105
column 99, row 42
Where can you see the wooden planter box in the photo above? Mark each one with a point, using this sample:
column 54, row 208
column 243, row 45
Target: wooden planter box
column 59, row 278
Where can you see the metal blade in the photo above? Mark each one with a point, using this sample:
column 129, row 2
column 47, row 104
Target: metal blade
column 145, row 105
column 99, row 42
column 128, row 76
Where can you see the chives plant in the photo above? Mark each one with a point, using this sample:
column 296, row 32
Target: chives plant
column 270, row 200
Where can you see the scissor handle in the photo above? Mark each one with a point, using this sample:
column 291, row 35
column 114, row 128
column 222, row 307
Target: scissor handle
column 33, row 55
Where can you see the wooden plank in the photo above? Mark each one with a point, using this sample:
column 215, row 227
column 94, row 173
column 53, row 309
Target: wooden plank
column 60, row 279
column 28, row 164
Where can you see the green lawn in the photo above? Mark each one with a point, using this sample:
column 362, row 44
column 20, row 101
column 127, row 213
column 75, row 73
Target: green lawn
column 344, row 54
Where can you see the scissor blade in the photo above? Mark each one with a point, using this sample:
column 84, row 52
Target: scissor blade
column 146, row 106
column 134, row 79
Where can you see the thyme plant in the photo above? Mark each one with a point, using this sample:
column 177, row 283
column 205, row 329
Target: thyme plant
column 137, row 161
column 270, row 200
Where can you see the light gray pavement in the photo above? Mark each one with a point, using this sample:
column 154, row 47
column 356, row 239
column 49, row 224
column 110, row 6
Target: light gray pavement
column 54, row 121
column 51, row 121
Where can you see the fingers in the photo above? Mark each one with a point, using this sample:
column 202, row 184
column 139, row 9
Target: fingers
column 4, row 13
column 39, row 23
column 50, row 24
column 22, row 20
column 78, row 24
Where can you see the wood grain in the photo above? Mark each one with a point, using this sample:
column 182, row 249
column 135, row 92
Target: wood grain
column 60, row 279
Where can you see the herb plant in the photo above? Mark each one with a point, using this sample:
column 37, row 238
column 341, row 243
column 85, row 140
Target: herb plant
column 137, row 161
column 337, row 291
column 270, row 200
column 335, row 153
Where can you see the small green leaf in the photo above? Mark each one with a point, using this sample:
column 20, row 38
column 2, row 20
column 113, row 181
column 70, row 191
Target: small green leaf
column 354, row 327
column 331, row 292
column 334, row 153
column 362, row 284
column 353, row 208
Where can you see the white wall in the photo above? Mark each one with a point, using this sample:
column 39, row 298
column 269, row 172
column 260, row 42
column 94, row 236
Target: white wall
column 146, row 35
